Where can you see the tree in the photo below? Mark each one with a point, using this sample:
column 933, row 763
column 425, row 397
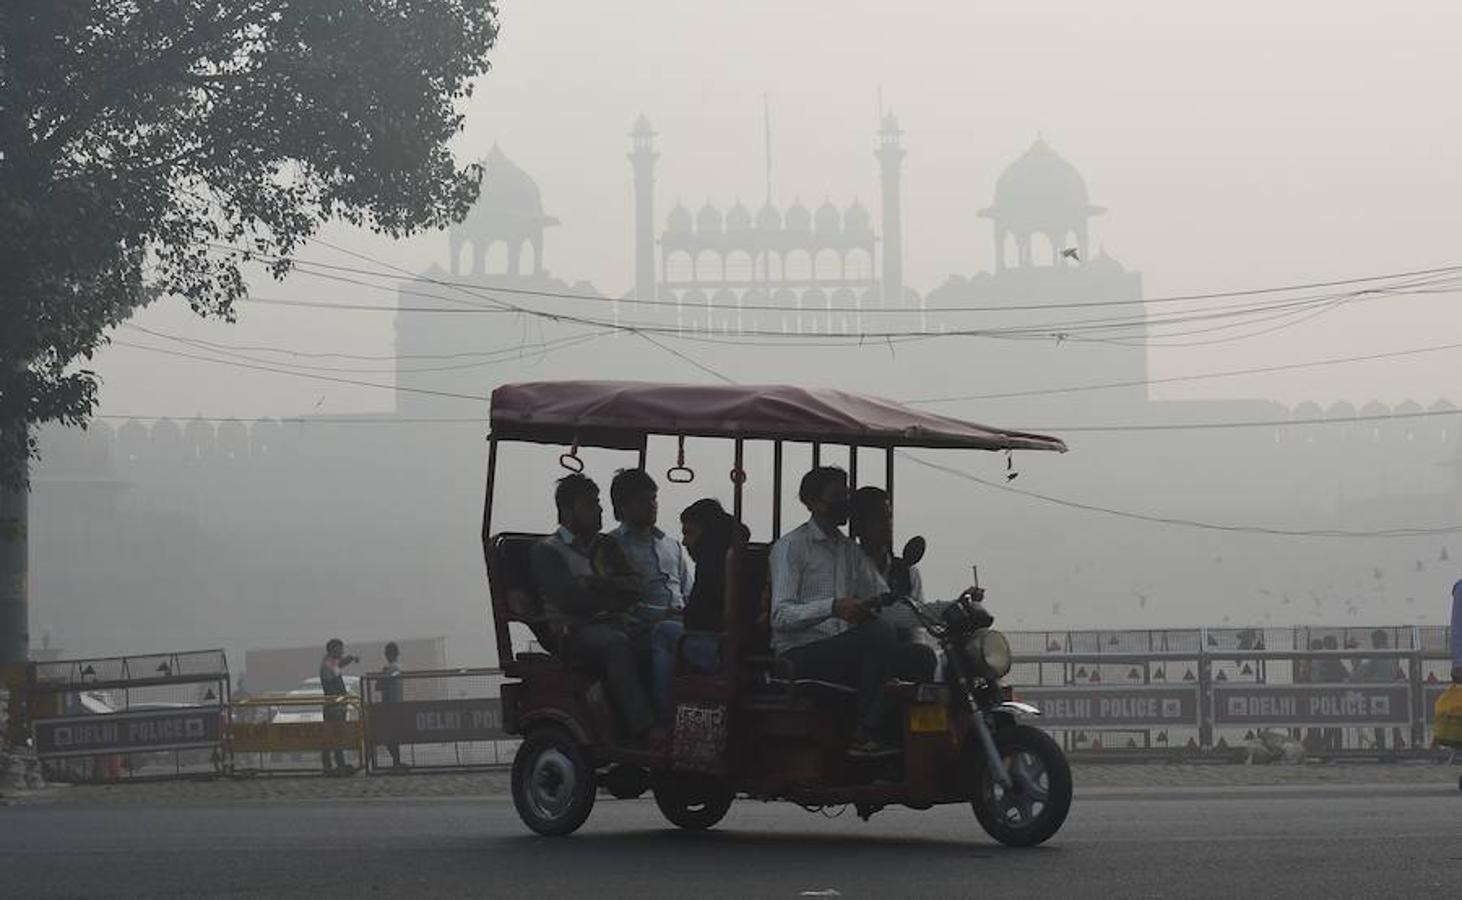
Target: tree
column 141, row 140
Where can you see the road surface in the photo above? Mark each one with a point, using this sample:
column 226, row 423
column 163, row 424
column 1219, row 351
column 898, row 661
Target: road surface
column 1377, row 840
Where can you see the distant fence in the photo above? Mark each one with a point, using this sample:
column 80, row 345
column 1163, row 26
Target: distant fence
column 440, row 719
column 1338, row 691
column 113, row 718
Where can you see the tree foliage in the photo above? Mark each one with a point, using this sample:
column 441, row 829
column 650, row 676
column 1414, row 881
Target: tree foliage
column 139, row 138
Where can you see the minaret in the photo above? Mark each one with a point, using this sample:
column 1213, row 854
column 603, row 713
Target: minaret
column 643, row 157
column 890, row 155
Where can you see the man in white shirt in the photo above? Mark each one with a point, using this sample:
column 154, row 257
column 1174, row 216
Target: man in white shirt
column 822, row 584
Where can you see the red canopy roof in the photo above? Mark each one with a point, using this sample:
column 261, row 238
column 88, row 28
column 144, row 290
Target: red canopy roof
column 622, row 413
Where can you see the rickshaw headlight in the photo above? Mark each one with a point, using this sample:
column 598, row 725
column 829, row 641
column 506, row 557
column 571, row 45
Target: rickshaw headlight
column 990, row 650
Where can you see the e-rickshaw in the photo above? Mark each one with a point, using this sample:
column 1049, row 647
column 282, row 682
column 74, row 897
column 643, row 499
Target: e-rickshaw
column 752, row 728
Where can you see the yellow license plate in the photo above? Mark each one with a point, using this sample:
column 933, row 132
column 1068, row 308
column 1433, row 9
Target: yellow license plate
column 925, row 717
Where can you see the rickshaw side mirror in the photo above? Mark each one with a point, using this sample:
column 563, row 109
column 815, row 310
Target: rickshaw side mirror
column 914, row 550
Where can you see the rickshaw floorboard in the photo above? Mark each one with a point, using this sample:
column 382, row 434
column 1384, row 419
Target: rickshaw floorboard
column 1347, row 840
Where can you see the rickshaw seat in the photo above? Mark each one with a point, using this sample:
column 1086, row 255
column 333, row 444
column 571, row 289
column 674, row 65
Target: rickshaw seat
column 512, row 573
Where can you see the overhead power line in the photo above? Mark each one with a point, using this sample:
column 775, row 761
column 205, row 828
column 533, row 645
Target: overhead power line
column 1072, row 329
column 297, row 374
column 1125, row 514
column 397, row 271
column 295, row 418
column 1255, row 423
column 479, row 359
column 1185, row 523
column 1143, row 382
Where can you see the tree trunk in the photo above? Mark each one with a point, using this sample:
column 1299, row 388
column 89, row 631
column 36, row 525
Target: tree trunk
column 14, row 559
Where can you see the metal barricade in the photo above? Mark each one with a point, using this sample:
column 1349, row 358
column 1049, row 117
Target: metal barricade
column 1317, row 687
column 1117, row 690
column 1329, row 691
column 114, row 718
column 290, row 733
column 438, row 719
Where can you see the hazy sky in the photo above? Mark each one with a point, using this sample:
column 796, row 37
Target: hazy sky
column 1236, row 145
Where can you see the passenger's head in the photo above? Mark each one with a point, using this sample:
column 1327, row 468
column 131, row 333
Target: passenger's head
column 1331, row 642
column 393, row 652
column 1378, row 639
column 634, row 496
column 824, row 491
column 334, row 647
column 1317, row 644
column 870, row 516
column 577, row 499
column 703, row 520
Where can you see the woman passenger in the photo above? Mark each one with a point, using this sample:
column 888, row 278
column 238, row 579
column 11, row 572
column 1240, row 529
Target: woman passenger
column 707, row 531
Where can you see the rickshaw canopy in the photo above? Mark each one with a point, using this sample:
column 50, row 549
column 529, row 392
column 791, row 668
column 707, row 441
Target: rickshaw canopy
column 623, row 414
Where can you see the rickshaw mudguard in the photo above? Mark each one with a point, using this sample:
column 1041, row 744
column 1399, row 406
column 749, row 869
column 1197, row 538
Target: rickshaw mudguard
column 538, row 700
column 1011, row 712
column 544, row 716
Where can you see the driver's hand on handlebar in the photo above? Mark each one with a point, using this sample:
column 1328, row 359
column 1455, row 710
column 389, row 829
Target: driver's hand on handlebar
column 976, row 594
column 851, row 609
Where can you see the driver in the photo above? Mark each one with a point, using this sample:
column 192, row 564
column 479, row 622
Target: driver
column 822, row 585
column 589, row 606
column 870, row 523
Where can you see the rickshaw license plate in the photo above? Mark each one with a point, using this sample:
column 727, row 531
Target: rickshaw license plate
column 928, row 717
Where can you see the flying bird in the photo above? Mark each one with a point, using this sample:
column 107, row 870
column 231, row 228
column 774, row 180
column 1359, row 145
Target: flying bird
column 1070, row 253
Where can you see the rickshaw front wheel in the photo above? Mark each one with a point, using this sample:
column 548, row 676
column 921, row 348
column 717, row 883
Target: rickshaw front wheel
column 692, row 801
column 1034, row 807
column 553, row 782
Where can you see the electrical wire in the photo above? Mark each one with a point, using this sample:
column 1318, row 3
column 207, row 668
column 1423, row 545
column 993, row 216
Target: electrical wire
column 1263, row 370
column 1257, row 423
column 483, row 358
column 311, row 375
column 636, row 301
column 1185, row 523
column 1061, row 330
column 1071, row 504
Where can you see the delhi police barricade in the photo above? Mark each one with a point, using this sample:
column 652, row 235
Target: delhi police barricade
column 287, row 733
column 151, row 716
column 1113, row 690
column 438, row 719
column 1329, row 691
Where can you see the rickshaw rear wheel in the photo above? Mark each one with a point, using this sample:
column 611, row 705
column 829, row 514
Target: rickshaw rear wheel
column 692, row 801
column 1035, row 807
column 554, row 784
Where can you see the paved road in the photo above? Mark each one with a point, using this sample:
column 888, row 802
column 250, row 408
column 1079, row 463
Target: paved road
column 1308, row 840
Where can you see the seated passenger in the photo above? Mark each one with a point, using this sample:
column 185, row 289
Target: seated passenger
column 709, row 532
column 666, row 575
column 821, row 621
column 588, row 604
column 660, row 560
